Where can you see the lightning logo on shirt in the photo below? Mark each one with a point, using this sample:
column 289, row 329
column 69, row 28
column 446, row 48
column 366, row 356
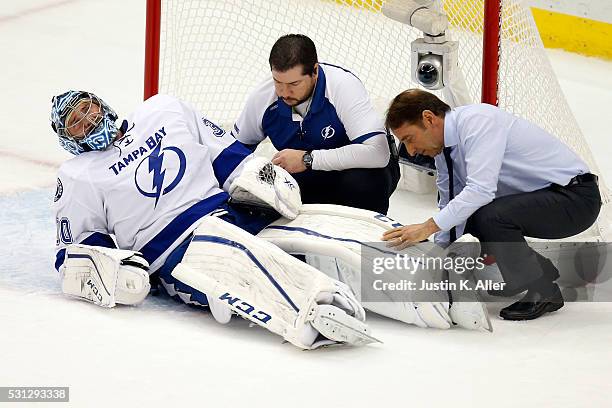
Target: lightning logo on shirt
column 155, row 166
column 327, row 132
column 162, row 165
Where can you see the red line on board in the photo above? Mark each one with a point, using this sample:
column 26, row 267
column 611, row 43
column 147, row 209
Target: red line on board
column 39, row 162
column 34, row 10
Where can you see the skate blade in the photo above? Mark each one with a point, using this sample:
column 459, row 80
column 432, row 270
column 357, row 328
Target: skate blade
column 362, row 337
column 335, row 324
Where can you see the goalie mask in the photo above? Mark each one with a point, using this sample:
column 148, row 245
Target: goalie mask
column 83, row 122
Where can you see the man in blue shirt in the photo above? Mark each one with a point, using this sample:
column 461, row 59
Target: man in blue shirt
column 500, row 178
column 320, row 119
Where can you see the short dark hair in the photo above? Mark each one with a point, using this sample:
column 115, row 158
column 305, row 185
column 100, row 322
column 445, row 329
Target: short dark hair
column 408, row 107
column 292, row 50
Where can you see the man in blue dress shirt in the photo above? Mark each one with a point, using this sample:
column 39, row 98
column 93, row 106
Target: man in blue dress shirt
column 508, row 179
column 320, row 119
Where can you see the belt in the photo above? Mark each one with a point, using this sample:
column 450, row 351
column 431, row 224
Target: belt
column 583, row 178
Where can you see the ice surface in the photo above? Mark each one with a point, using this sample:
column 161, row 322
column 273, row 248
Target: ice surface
column 163, row 353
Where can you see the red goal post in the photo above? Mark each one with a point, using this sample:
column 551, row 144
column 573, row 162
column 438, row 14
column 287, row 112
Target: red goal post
column 152, row 40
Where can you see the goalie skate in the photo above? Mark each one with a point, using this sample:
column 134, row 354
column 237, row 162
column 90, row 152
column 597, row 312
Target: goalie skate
column 471, row 315
column 433, row 314
column 467, row 309
column 335, row 324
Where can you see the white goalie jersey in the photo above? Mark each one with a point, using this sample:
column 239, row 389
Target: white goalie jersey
column 147, row 191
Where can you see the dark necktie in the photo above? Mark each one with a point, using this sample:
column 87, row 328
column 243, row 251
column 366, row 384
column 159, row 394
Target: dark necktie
column 451, row 187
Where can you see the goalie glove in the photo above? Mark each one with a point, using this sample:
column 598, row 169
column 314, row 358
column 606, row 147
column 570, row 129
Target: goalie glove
column 105, row 276
column 263, row 183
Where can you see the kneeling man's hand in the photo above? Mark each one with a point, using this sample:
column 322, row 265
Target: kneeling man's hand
column 290, row 160
column 402, row 237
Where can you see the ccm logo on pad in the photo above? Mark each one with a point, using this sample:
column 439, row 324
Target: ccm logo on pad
column 246, row 308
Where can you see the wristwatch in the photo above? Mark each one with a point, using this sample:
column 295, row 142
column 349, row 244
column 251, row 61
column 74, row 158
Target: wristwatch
column 307, row 159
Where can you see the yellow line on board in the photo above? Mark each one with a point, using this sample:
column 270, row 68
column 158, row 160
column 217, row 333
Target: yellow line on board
column 575, row 34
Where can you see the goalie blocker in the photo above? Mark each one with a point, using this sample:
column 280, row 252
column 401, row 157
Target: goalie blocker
column 105, row 276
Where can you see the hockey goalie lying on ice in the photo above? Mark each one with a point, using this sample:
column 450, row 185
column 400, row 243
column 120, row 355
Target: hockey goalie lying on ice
column 152, row 197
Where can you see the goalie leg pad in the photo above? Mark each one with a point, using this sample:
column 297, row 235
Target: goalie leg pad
column 105, row 276
column 263, row 284
column 322, row 232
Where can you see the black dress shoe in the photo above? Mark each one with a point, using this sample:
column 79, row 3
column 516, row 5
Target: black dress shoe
column 534, row 304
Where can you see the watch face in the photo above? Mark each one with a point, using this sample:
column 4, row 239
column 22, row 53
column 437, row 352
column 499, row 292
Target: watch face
column 307, row 158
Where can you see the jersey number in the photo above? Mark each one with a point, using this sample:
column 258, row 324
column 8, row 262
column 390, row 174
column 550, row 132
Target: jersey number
column 63, row 231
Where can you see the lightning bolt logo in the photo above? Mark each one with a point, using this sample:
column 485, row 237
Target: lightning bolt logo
column 161, row 172
column 327, row 132
column 155, row 166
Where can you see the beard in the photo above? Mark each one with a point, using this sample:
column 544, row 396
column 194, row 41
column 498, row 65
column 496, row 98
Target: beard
column 295, row 102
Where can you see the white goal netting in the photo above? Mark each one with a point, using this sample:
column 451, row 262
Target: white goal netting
column 214, row 52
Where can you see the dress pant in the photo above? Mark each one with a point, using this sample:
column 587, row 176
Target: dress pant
column 550, row 213
column 369, row 189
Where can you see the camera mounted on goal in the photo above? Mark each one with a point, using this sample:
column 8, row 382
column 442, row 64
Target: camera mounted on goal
column 434, row 59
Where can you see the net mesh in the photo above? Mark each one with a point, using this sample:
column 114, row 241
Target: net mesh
column 213, row 53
